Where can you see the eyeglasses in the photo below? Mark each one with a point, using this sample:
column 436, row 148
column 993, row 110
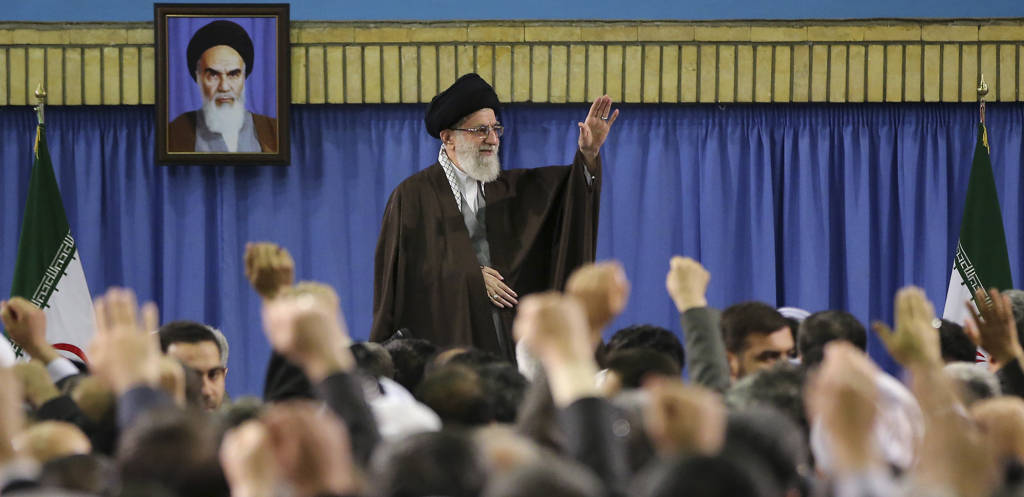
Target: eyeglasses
column 484, row 131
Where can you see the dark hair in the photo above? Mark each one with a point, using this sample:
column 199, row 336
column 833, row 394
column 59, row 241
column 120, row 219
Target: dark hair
column 825, row 326
column 186, row 332
column 955, row 344
column 633, row 365
column 409, row 356
column 699, row 476
column 93, row 474
column 373, row 359
column 746, row 318
column 794, row 331
column 176, row 449
column 780, row 387
column 472, row 357
column 434, row 463
column 504, row 387
column 549, row 477
column 762, row 437
column 456, row 393
column 648, row 336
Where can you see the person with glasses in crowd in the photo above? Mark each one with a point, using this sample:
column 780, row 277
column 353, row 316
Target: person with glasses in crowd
column 462, row 240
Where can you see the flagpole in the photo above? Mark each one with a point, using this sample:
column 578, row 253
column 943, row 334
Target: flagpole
column 41, row 103
column 982, row 91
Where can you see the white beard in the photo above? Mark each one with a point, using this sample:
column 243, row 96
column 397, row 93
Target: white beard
column 482, row 169
column 226, row 119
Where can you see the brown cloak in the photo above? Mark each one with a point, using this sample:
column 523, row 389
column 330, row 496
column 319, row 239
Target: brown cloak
column 541, row 225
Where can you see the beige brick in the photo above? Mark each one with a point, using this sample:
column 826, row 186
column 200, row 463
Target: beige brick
column 1001, row 33
column 540, row 63
column 91, row 62
column 688, row 73
column 559, row 89
column 819, row 73
column 315, row 74
column 721, row 33
column 390, row 74
column 38, row 36
column 353, row 75
column 293, row 35
column 1007, row 73
column 708, row 58
column 446, row 67
column 129, row 75
column 147, row 69
column 989, row 62
column 665, row 32
column 801, row 74
column 1020, row 62
column 940, row 32
column 437, row 34
column 503, row 72
column 111, row 76
column 552, row 33
column 670, row 74
column 727, row 73
column 624, row 32
column 837, row 74
column 55, row 75
column 96, row 36
column 763, row 74
column 912, row 74
column 855, row 74
column 299, row 74
column 894, row 74
column 614, row 75
column 4, row 67
column 373, row 91
column 932, row 72
column 335, row 74
column 577, row 73
column 903, row 32
column 651, row 84
column 6, row 37
column 496, row 33
column 379, row 34
column 72, row 76
column 783, row 64
column 521, row 73
column 595, row 72
column 745, row 73
column 969, row 76
column 465, row 62
column 951, row 79
column 485, row 62
column 876, row 73
column 326, row 34
column 428, row 73
column 835, row 33
column 37, row 67
column 140, row 36
column 774, row 33
column 633, row 90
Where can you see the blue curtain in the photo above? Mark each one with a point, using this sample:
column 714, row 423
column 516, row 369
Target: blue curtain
column 816, row 206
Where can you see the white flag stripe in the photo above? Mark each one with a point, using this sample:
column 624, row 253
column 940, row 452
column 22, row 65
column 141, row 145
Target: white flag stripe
column 69, row 316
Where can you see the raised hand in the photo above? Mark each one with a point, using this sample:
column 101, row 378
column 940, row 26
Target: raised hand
column 125, row 352
column 309, row 332
column 594, row 129
column 603, row 290
column 26, row 326
column 500, row 294
column 268, row 267
column 687, row 283
column 993, row 328
column 916, row 339
column 684, row 419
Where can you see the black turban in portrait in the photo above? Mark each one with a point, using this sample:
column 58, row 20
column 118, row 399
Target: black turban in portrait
column 220, row 33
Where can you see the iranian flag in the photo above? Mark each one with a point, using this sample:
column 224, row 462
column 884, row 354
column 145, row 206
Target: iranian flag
column 981, row 259
column 49, row 271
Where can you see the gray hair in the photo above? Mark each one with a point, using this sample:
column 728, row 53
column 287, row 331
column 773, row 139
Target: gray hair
column 222, row 344
column 976, row 382
column 1017, row 303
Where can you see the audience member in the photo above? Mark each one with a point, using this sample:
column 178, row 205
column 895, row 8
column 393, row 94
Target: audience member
column 202, row 348
column 756, row 337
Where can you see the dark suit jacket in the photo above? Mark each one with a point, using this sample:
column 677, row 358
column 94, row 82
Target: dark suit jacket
column 181, row 133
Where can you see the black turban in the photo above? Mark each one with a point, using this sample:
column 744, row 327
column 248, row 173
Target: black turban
column 465, row 96
column 220, row 33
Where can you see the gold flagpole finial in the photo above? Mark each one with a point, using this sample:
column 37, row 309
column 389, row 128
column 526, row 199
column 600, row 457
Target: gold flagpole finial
column 982, row 91
column 41, row 102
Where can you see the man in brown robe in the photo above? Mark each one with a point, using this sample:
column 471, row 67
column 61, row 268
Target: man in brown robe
column 462, row 240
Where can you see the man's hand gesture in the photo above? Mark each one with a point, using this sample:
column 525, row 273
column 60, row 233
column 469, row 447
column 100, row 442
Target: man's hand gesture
column 268, row 267
column 307, row 331
column 687, row 283
column 603, row 290
column 125, row 352
column 993, row 328
column 26, row 326
column 594, row 129
column 916, row 339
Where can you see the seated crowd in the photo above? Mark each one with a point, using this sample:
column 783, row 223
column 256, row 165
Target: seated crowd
column 777, row 404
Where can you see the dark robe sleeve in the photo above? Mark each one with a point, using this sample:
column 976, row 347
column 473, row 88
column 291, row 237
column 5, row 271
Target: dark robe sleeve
column 386, row 269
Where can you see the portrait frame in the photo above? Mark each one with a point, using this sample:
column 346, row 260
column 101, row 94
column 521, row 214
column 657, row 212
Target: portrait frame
column 186, row 100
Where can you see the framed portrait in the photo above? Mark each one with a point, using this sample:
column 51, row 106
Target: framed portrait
column 223, row 84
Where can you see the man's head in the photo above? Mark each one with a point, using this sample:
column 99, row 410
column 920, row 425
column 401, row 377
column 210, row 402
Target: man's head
column 955, row 344
column 201, row 348
column 464, row 117
column 220, row 58
column 823, row 327
column 648, row 337
column 756, row 337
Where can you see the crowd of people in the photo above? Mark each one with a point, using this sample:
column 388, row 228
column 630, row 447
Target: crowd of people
column 773, row 404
